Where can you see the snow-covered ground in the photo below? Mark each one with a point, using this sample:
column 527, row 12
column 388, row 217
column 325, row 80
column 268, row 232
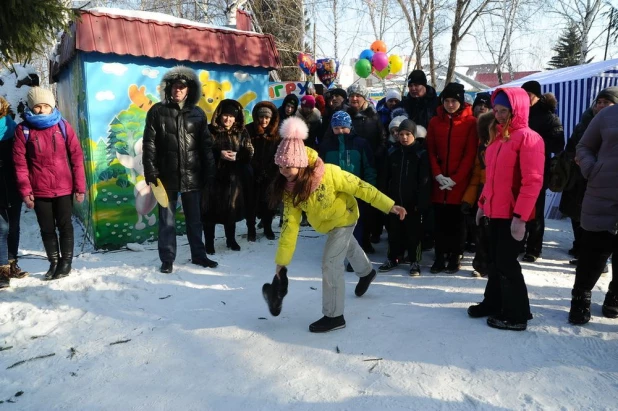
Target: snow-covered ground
column 202, row 339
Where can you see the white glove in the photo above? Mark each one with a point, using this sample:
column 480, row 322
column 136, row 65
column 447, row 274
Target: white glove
column 443, row 181
column 450, row 181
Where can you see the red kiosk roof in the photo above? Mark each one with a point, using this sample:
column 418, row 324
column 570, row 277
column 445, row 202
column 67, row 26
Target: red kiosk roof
column 137, row 36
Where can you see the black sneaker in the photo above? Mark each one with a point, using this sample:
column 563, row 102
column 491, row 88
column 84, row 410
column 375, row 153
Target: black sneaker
column 363, row 284
column 349, row 268
column 388, row 266
column 438, row 266
column 503, row 324
column 167, row 267
column 529, row 258
column 480, row 310
column 415, row 269
column 205, row 262
column 326, row 324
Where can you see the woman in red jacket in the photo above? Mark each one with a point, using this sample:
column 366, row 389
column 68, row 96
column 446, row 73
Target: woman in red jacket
column 49, row 165
column 515, row 161
column 452, row 146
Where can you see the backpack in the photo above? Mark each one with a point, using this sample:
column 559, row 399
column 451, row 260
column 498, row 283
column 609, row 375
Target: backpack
column 559, row 172
column 61, row 124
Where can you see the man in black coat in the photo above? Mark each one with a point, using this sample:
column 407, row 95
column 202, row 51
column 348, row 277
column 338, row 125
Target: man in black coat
column 422, row 100
column 543, row 120
column 178, row 150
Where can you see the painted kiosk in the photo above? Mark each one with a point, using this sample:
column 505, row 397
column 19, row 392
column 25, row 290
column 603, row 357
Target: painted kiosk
column 108, row 68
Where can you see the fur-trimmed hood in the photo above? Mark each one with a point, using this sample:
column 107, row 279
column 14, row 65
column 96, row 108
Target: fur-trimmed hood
column 238, row 126
column 273, row 126
column 181, row 73
column 548, row 100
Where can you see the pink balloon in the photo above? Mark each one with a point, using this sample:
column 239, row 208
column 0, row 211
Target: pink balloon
column 379, row 61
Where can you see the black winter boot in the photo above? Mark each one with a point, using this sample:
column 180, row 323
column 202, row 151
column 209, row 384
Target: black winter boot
column 251, row 234
column 268, row 230
column 439, row 264
column 50, row 243
column 580, row 307
column 326, row 324
column 209, row 238
column 274, row 293
column 230, row 234
column 454, row 263
column 610, row 305
column 66, row 249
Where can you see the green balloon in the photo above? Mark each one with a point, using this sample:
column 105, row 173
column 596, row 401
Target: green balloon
column 363, row 68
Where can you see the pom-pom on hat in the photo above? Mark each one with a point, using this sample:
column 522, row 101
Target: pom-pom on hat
column 341, row 119
column 38, row 95
column 291, row 151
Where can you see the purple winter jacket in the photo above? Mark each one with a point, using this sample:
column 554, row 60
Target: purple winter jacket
column 46, row 165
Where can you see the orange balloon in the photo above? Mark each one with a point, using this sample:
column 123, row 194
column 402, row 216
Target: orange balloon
column 378, row 46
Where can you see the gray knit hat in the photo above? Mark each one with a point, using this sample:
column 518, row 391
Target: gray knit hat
column 358, row 89
column 610, row 93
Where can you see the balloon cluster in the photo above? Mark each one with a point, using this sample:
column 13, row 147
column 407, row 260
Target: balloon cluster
column 326, row 68
column 375, row 60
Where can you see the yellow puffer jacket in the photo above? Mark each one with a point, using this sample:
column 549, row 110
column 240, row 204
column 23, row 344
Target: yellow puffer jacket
column 331, row 205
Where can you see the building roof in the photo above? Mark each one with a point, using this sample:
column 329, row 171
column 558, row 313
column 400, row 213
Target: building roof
column 139, row 34
column 491, row 79
column 607, row 68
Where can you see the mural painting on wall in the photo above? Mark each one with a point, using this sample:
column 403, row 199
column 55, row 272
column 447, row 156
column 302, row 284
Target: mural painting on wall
column 124, row 208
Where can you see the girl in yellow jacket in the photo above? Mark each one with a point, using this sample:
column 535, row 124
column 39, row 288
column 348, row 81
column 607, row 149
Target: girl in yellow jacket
column 327, row 195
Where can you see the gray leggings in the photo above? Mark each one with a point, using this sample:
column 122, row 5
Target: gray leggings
column 340, row 244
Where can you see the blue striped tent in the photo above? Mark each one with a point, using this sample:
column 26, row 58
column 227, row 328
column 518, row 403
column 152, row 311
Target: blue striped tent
column 575, row 89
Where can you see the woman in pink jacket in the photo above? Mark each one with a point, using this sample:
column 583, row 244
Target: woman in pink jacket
column 515, row 160
column 49, row 164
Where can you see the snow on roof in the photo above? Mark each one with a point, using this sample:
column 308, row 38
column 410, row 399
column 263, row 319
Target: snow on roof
column 9, row 90
column 160, row 17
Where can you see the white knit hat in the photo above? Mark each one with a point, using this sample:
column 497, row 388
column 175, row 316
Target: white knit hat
column 38, row 95
column 390, row 94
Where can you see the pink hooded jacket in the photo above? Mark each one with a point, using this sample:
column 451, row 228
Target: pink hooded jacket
column 46, row 165
column 514, row 168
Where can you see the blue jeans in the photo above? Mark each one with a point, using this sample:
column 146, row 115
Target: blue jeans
column 9, row 233
column 167, row 226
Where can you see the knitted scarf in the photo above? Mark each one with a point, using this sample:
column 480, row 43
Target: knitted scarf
column 42, row 121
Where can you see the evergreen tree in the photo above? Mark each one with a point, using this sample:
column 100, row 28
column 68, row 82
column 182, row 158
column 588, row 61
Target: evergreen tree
column 27, row 26
column 568, row 49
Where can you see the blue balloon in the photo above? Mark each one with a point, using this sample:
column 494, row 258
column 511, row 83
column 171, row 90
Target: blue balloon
column 366, row 54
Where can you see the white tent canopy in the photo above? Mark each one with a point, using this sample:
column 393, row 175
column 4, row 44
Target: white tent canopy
column 574, row 87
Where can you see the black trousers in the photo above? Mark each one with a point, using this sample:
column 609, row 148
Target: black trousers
column 167, row 226
column 506, row 290
column 578, row 232
column 449, row 229
column 55, row 213
column 536, row 227
column 482, row 256
column 595, row 249
column 405, row 236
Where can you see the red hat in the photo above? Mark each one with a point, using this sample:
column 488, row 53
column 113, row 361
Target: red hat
column 308, row 101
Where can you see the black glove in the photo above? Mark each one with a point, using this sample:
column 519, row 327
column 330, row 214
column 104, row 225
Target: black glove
column 465, row 208
column 150, row 179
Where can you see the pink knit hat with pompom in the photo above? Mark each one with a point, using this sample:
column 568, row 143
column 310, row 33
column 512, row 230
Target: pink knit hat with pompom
column 291, row 151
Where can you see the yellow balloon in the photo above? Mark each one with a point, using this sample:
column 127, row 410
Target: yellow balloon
column 396, row 63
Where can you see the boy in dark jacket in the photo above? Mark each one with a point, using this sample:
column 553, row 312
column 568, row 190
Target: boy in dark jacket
column 408, row 176
column 354, row 155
